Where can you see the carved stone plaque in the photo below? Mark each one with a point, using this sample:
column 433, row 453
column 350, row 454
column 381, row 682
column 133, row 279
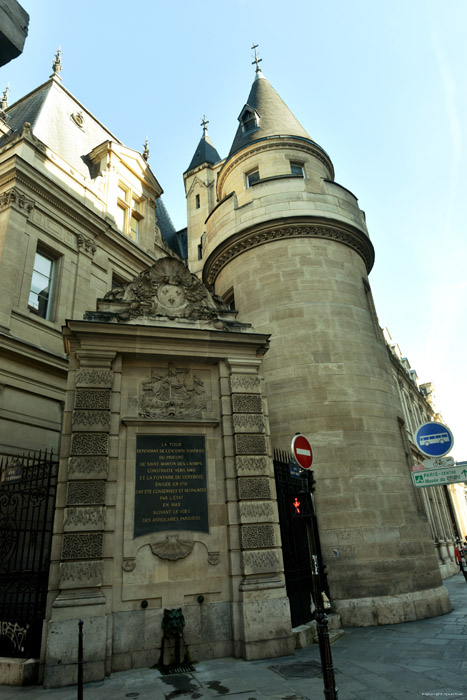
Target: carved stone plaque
column 170, row 484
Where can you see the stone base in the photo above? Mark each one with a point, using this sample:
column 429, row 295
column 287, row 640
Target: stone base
column 389, row 610
column 307, row 634
column 448, row 569
column 18, row 671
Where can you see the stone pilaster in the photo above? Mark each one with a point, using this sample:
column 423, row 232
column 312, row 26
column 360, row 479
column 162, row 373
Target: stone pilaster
column 255, row 536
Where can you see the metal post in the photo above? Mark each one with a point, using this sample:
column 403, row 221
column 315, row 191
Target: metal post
column 330, row 690
column 80, row 660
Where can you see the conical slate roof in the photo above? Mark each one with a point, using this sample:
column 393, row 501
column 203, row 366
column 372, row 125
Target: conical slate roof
column 205, row 153
column 275, row 118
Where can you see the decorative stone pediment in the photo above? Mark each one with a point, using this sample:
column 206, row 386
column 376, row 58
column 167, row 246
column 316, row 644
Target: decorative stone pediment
column 167, row 291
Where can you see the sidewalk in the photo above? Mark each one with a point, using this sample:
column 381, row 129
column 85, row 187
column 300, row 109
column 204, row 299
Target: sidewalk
column 412, row 660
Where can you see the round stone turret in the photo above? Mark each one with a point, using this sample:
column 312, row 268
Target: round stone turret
column 289, row 248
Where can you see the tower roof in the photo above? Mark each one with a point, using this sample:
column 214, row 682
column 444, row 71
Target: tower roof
column 273, row 116
column 205, row 153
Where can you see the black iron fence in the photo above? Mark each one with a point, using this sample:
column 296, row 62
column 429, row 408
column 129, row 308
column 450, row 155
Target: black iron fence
column 27, row 500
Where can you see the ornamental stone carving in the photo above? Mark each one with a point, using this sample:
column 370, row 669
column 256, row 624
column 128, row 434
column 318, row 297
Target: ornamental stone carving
column 92, row 419
column 129, row 564
column 254, row 511
column 172, row 548
column 77, row 573
column 250, row 463
column 85, row 493
column 93, row 467
column 260, row 562
column 248, row 423
column 174, row 393
column 86, row 243
column 247, row 383
column 92, row 399
column 167, row 290
column 254, row 489
column 247, row 403
column 84, row 518
column 85, row 545
column 15, row 198
column 94, row 377
column 257, row 536
column 250, row 444
column 346, row 234
column 89, row 444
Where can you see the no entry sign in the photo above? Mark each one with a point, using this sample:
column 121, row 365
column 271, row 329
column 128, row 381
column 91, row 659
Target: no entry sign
column 301, row 450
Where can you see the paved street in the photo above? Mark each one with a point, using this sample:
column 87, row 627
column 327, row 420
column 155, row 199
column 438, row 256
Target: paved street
column 413, row 660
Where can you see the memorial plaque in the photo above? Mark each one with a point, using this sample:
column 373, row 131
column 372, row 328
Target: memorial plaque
column 170, row 484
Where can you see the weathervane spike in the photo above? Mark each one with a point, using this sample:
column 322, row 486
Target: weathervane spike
column 257, row 60
column 204, row 124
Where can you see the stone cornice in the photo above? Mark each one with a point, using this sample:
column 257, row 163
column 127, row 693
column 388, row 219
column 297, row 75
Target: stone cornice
column 268, row 145
column 288, row 228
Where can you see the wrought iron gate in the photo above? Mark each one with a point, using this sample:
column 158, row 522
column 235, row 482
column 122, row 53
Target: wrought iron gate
column 27, row 500
column 295, row 550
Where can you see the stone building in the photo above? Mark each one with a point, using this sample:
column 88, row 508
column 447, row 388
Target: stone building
column 77, row 216
column 445, row 506
column 186, row 361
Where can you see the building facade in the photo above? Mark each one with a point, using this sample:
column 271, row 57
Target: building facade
column 259, row 325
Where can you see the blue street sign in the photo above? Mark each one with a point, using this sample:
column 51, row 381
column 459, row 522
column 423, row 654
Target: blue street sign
column 434, row 439
column 294, row 468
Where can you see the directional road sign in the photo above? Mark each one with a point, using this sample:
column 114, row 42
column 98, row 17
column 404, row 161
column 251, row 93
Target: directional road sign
column 434, row 439
column 436, row 477
column 301, row 450
column 438, row 463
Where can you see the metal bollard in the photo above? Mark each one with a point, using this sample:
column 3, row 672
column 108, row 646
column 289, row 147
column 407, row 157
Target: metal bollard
column 80, row 660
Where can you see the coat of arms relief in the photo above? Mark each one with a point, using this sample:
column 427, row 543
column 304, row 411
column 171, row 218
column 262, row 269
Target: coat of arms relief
column 173, row 393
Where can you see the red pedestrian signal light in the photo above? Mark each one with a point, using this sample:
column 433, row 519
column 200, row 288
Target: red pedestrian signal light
column 302, row 506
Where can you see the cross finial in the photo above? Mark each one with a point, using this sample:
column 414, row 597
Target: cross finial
column 146, row 150
column 204, row 124
column 257, row 60
column 57, row 64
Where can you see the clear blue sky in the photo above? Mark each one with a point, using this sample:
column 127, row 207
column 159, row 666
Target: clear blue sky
column 379, row 85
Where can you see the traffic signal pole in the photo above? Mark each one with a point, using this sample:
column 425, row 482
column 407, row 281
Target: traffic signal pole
column 317, row 579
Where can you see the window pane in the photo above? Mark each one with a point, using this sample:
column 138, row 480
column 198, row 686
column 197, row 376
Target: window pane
column 120, row 217
column 296, row 169
column 252, row 178
column 122, row 193
column 134, row 228
column 41, row 283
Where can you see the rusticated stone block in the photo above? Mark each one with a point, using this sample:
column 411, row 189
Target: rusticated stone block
column 92, row 399
column 84, row 518
column 89, row 444
column 74, row 574
column 248, row 423
column 92, row 467
column 264, row 561
column 247, row 403
column 245, row 383
column 254, row 488
column 251, row 464
column 250, row 444
column 257, row 536
column 85, row 545
column 94, row 377
column 85, row 493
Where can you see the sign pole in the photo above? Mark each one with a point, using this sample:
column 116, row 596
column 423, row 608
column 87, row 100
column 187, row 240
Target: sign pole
column 303, row 453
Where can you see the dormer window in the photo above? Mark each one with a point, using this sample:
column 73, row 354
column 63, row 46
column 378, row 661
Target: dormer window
column 249, row 119
column 129, row 214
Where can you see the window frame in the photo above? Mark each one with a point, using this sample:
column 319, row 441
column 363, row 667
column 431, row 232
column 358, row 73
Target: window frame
column 131, row 207
column 298, row 166
column 248, row 175
column 49, row 312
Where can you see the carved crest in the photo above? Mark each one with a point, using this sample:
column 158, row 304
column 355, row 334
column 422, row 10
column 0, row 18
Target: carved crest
column 165, row 290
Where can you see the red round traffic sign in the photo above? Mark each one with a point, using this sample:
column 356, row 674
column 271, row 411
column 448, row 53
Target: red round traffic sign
column 302, row 451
